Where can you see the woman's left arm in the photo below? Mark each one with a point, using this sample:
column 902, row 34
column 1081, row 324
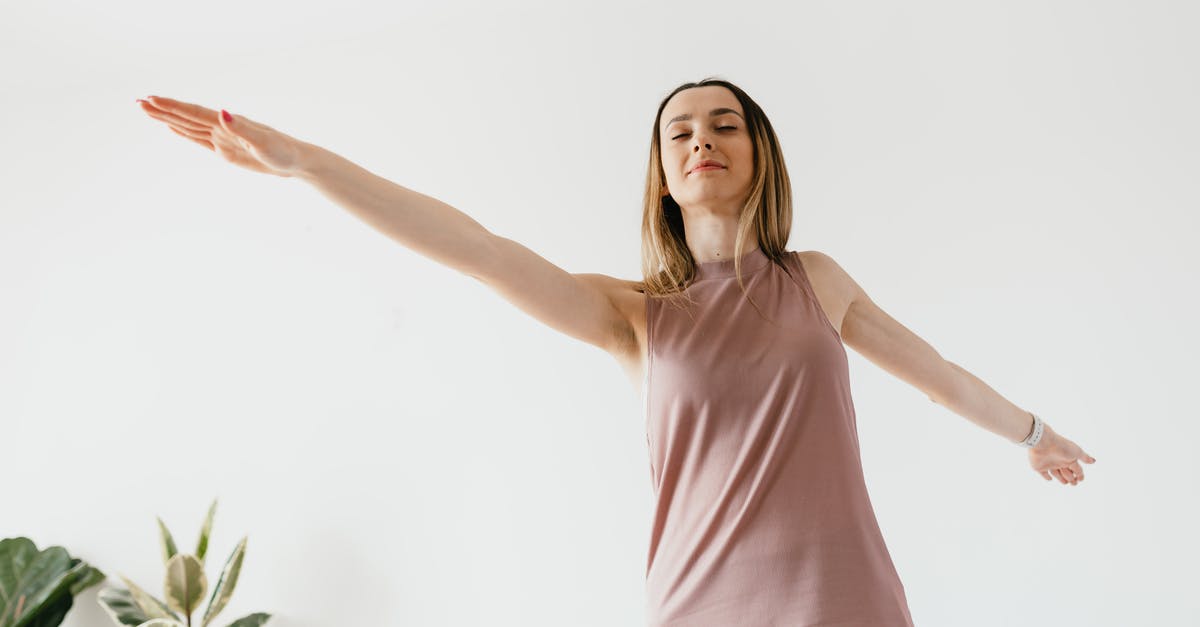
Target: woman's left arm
column 871, row 332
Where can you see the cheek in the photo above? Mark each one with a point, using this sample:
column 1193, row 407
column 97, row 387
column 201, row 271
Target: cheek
column 746, row 158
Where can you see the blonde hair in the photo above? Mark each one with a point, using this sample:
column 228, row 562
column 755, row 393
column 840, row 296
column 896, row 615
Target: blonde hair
column 667, row 264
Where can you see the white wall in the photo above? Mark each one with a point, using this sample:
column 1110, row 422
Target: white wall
column 1016, row 182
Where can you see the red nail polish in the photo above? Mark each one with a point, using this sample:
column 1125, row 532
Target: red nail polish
column 228, row 118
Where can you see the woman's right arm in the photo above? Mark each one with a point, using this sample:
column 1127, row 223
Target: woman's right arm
column 577, row 305
column 582, row 306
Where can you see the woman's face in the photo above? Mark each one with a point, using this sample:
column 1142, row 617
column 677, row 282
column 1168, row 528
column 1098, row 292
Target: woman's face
column 703, row 123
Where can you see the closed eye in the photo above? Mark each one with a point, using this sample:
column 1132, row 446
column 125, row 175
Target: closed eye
column 719, row 128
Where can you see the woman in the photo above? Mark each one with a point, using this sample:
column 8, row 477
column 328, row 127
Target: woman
column 762, row 515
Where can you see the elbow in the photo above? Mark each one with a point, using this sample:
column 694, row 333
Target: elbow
column 481, row 263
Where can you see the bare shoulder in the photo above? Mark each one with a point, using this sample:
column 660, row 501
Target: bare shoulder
column 834, row 287
column 826, row 270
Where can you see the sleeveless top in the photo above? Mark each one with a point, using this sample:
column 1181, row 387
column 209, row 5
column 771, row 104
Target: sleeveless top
column 761, row 513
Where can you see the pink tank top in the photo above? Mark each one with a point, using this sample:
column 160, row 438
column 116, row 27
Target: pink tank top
column 761, row 514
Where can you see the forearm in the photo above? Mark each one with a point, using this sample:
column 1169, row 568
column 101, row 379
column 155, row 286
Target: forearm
column 422, row 223
column 978, row 402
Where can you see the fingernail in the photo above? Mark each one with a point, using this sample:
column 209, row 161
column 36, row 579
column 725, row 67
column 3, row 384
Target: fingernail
column 225, row 114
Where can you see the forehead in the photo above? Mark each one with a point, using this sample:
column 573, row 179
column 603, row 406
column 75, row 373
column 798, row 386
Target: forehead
column 698, row 102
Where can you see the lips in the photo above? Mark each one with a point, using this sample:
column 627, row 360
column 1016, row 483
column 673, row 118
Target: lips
column 706, row 163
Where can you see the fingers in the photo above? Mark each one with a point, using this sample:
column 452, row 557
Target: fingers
column 175, row 120
column 193, row 112
column 191, row 133
column 202, row 142
column 1077, row 470
column 1071, row 474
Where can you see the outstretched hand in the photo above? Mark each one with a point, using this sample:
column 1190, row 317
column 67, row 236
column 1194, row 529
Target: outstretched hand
column 1058, row 456
column 239, row 140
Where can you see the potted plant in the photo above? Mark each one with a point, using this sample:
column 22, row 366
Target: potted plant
column 184, row 586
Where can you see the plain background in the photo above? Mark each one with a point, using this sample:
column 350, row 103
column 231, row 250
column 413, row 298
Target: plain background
column 1015, row 182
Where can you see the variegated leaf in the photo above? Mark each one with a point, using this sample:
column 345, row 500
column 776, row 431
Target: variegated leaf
column 165, row 541
column 161, row 622
column 256, row 619
column 226, row 583
column 205, row 532
column 185, row 583
column 151, row 607
column 120, row 607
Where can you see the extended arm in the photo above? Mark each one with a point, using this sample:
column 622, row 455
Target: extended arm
column 874, row 334
column 578, row 305
column 574, row 304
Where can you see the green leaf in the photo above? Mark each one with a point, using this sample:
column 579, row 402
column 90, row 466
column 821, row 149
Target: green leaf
column 185, row 583
column 88, row 577
column 165, row 541
column 121, row 607
column 252, row 620
column 62, row 597
column 205, row 532
column 161, row 622
column 226, row 583
column 52, row 614
column 150, row 606
column 33, row 584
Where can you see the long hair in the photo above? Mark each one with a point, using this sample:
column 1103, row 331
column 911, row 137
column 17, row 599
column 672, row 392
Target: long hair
column 668, row 267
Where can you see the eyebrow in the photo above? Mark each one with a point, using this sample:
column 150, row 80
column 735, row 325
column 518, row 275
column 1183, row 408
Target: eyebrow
column 713, row 113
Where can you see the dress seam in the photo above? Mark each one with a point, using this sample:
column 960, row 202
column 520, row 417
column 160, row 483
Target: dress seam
column 811, row 294
column 733, row 276
column 649, row 364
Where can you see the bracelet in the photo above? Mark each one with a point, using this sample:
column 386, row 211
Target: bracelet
column 1035, row 434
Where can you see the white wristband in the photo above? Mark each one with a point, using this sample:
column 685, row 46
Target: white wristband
column 1035, row 436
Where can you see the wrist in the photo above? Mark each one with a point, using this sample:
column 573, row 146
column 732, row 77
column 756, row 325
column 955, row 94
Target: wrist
column 1032, row 426
column 1047, row 440
column 1037, row 437
column 310, row 160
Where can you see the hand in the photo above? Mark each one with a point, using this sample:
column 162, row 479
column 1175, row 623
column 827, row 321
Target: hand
column 240, row 141
column 1058, row 456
